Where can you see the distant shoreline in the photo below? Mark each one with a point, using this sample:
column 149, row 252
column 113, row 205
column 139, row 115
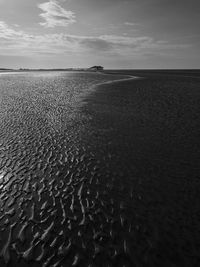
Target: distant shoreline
column 88, row 70
column 26, row 70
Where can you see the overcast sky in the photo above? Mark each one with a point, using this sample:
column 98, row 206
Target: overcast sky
column 112, row 33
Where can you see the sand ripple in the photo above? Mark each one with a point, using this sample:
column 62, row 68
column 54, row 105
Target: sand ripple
column 55, row 209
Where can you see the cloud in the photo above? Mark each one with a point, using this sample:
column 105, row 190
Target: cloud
column 94, row 43
column 130, row 23
column 8, row 32
column 55, row 15
column 16, row 42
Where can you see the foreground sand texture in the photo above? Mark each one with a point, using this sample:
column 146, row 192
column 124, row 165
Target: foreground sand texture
column 104, row 177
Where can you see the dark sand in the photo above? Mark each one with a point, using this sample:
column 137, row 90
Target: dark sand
column 115, row 183
column 147, row 133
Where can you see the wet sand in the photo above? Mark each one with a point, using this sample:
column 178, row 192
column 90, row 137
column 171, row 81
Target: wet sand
column 147, row 133
column 107, row 178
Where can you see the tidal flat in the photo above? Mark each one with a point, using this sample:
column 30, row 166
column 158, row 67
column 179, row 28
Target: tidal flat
column 100, row 173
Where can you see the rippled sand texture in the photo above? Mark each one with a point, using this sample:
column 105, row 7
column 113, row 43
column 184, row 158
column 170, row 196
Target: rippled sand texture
column 48, row 208
column 109, row 181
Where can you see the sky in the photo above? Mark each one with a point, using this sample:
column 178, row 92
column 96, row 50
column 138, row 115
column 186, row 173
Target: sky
column 137, row 34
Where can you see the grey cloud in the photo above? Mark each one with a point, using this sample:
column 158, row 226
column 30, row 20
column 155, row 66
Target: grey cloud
column 130, row 23
column 15, row 41
column 97, row 44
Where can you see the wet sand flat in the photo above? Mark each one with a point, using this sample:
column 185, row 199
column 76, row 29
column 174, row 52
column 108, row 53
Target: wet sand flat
column 107, row 176
column 149, row 130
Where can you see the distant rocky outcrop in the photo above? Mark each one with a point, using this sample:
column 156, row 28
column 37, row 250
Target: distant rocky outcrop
column 96, row 68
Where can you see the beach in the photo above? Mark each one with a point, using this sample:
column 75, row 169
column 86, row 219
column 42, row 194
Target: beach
column 100, row 169
column 149, row 129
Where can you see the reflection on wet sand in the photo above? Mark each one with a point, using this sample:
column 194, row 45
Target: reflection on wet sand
column 54, row 210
